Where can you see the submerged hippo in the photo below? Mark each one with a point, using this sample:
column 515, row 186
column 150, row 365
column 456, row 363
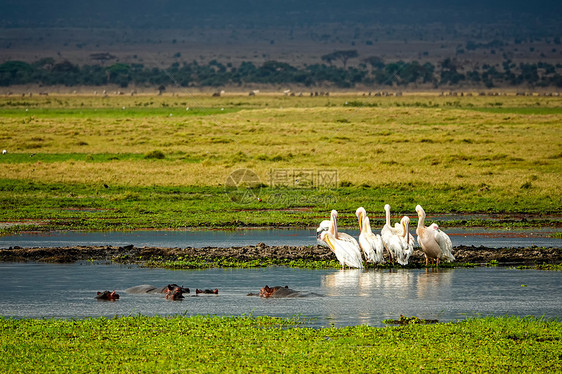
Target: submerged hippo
column 175, row 294
column 148, row 288
column 278, row 291
column 208, row 291
column 106, row 295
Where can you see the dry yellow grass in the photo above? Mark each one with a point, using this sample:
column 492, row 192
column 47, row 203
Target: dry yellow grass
column 417, row 139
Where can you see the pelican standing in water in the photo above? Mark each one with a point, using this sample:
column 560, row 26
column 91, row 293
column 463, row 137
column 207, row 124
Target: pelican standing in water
column 344, row 242
column 391, row 236
column 399, row 229
column 370, row 243
column 406, row 242
column 435, row 243
column 332, row 226
column 344, row 252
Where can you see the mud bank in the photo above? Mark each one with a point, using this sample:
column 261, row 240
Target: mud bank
column 140, row 255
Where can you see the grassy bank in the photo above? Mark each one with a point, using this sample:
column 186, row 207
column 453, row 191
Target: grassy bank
column 31, row 205
column 264, row 344
column 121, row 162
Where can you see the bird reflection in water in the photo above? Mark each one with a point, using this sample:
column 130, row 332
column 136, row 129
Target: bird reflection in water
column 341, row 282
column 434, row 283
column 393, row 282
column 430, row 283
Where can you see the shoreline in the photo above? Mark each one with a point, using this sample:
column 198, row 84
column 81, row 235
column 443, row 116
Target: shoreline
column 465, row 255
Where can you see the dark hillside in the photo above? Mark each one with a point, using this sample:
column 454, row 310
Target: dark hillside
column 478, row 43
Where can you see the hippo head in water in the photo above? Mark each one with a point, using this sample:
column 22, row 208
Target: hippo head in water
column 276, row 291
column 148, row 288
column 266, row 291
column 106, row 295
column 281, row 291
column 171, row 287
column 208, row 291
column 175, row 294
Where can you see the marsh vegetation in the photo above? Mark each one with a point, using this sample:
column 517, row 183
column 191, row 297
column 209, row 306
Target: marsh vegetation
column 261, row 344
column 91, row 162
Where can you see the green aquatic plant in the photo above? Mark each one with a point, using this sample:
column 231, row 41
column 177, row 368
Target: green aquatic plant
column 555, row 267
column 403, row 320
column 270, row 344
column 187, row 262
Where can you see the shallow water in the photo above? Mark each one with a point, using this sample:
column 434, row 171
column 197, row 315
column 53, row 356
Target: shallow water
column 348, row 297
column 216, row 238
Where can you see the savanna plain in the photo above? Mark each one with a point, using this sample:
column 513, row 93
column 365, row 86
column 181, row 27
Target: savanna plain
column 121, row 162
column 87, row 162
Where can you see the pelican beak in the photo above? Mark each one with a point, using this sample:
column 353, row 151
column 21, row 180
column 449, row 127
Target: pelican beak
column 327, row 241
column 405, row 228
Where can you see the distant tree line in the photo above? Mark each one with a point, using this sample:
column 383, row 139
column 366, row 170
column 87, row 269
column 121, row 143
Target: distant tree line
column 370, row 72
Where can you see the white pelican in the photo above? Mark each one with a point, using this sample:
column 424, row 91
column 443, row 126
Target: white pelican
column 390, row 236
column 370, row 243
column 332, row 226
column 406, row 242
column 324, row 226
column 399, row 228
column 346, row 241
column 435, row 243
column 349, row 241
column 345, row 253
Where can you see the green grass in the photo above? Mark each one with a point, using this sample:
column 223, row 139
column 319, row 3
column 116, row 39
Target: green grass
column 531, row 111
column 468, row 154
column 70, row 206
column 111, row 113
column 265, row 344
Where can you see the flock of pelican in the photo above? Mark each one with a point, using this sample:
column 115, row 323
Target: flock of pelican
column 397, row 240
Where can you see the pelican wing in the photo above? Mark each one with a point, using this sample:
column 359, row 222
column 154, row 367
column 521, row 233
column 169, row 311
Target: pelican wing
column 345, row 251
column 367, row 248
column 394, row 246
column 352, row 247
column 350, row 254
column 386, row 235
column 347, row 238
column 445, row 244
column 377, row 248
column 406, row 250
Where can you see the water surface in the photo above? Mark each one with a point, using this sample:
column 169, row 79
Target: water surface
column 346, row 297
column 220, row 238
